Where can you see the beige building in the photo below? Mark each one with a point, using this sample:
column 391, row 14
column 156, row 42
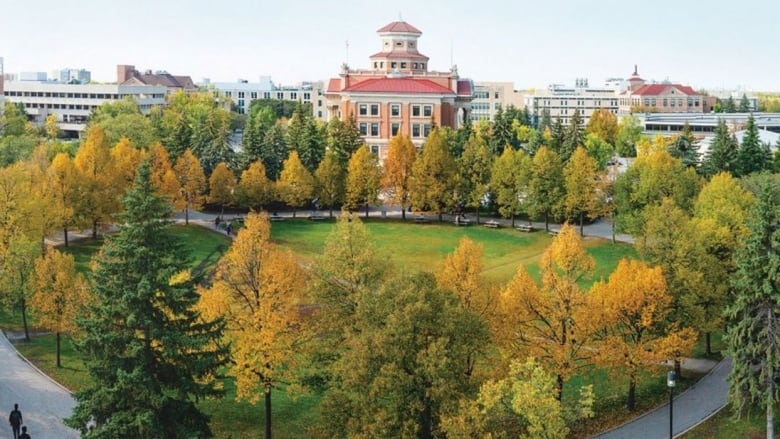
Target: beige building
column 665, row 97
column 490, row 96
column 562, row 102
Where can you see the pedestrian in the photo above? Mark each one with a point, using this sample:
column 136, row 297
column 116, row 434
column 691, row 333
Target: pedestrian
column 228, row 228
column 15, row 419
column 24, row 434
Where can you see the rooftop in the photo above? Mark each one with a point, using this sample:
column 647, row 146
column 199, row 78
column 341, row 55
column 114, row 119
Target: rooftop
column 399, row 27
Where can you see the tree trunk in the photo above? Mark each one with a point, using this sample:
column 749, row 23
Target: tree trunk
column 293, row 213
column 440, row 217
column 513, row 220
column 65, row 235
column 770, row 414
column 59, row 363
column 546, row 222
column 677, row 368
column 709, row 345
column 426, row 421
column 631, row 392
column 187, row 214
column 477, row 214
column 366, row 210
column 613, row 229
column 331, row 211
column 94, row 229
column 24, row 320
column 267, row 410
column 582, row 225
column 403, row 212
column 560, row 387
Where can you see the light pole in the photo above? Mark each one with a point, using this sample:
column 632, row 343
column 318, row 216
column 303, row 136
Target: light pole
column 671, row 381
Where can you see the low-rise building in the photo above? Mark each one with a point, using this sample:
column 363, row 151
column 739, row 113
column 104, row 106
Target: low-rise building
column 75, row 76
column 128, row 75
column 704, row 124
column 562, row 102
column 243, row 92
column 665, row 97
column 490, row 96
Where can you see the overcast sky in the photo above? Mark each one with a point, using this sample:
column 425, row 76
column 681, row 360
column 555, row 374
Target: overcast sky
column 706, row 44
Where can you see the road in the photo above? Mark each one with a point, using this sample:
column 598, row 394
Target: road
column 43, row 403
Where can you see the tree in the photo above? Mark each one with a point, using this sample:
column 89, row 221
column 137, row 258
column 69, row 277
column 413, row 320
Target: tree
column 254, row 189
column 296, row 184
column 222, row 185
column 631, row 309
column 396, row 375
column 62, row 176
column 603, row 124
column 552, row 323
column 752, row 155
column 582, row 184
column 574, row 138
column 685, row 148
column 17, row 265
column 475, row 165
column 163, row 176
column 629, row 132
column 149, row 353
column 96, row 198
column 722, row 154
column 502, row 136
column 344, row 139
column 329, row 182
column 599, row 150
column 274, row 151
column 59, row 295
column 729, row 106
column 397, row 175
column 123, row 118
column 546, row 188
column 259, row 121
column 557, row 137
column 305, row 136
column 125, row 159
column 257, row 288
column 192, row 183
column 433, row 176
column 509, row 181
column 752, row 329
column 744, row 104
column 363, row 180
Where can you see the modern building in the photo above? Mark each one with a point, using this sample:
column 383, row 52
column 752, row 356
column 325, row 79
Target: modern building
column 490, row 96
column 243, row 92
column 72, row 104
column 666, row 97
column 33, row 76
column 562, row 101
column 2, row 82
column 397, row 93
column 128, row 75
column 74, row 76
column 704, row 124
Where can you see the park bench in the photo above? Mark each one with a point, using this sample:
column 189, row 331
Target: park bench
column 525, row 228
column 420, row 219
column 493, row 224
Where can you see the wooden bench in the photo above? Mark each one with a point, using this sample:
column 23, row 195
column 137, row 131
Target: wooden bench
column 525, row 228
column 276, row 218
column 553, row 232
column 421, row 219
column 316, row 217
column 493, row 224
column 460, row 221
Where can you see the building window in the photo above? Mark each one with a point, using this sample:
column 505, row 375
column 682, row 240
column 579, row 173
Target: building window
column 426, row 129
column 414, row 66
column 647, row 102
column 306, row 96
column 416, row 130
column 403, row 65
column 652, row 102
column 665, row 102
column 266, row 95
column 422, row 65
column 394, row 128
column 415, row 111
column 427, row 110
column 399, row 44
column 375, row 149
column 395, row 110
column 279, row 95
column 393, row 65
column 496, row 95
column 376, row 64
column 294, row 96
column 363, row 109
column 363, row 127
column 228, row 94
column 374, row 130
column 319, row 102
column 241, row 105
column 241, row 95
column 672, row 102
column 374, row 109
column 253, row 95
column 319, row 114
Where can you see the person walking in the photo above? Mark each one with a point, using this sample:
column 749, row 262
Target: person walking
column 24, row 434
column 15, row 419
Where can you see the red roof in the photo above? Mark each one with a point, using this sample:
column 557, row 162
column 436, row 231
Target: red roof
column 657, row 89
column 399, row 85
column 333, row 85
column 400, row 26
column 464, row 87
column 399, row 55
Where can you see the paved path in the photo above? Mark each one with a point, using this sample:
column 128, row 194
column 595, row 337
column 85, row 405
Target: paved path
column 693, row 406
column 43, row 403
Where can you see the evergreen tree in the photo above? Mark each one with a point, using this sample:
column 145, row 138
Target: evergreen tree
column 148, row 352
column 729, row 106
column 344, row 138
column 462, row 135
column 752, row 156
column 744, row 104
column 274, row 151
column 557, row 137
column 574, row 137
column 753, row 328
column 685, row 148
column 722, row 155
column 259, row 121
column 545, row 121
column 502, row 133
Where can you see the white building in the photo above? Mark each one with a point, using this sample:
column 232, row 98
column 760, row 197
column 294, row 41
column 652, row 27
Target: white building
column 68, row 76
column 490, row 96
column 72, row 104
column 243, row 92
column 562, row 102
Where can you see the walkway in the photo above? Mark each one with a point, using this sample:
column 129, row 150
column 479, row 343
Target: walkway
column 43, row 402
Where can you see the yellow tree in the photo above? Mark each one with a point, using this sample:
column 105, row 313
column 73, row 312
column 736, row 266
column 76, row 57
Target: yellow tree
column 330, row 180
column 551, row 322
column 583, row 187
column 254, row 189
column 363, row 179
column 63, row 183
column 295, row 184
column 163, row 176
column 192, row 183
column 256, row 289
column 434, row 176
column 604, row 124
column 59, row 293
column 96, row 196
column 222, row 184
column 125, row 158
column 632, row 308
column 396, row 178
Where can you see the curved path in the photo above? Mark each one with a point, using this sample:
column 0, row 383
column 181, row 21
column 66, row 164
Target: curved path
column 43, row 403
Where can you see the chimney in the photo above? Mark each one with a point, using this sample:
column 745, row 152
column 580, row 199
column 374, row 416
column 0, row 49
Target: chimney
column 124, row 72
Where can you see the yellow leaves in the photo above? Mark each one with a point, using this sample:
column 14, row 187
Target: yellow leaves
column 254, row 189
column 296, row 184
column 401, row 155
column 462, row 275
column 222, row 183
column 179, row 278
column 566, row 257
column 59, row 293
column 192, row 180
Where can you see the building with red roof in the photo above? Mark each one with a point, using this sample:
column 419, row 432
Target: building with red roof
column 397, row 93
column 665, row 97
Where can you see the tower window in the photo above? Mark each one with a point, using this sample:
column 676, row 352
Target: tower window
column 403, row 65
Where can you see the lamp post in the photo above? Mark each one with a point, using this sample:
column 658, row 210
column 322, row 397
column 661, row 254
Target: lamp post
column 671, row 381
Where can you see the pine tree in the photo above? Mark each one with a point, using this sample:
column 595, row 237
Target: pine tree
column 752, row 156
column 574, row 137
column 722, row 155
column 274, row 151
column 148, row 352
column 685, row 148
column 557, row 137
column 729, row 106
column 744, row 104
column 753, row 328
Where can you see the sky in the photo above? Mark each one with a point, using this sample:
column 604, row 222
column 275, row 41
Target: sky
column 711, row 44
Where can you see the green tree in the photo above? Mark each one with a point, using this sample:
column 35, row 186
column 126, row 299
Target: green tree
column 722, row 154
column 502, row 135
column 363, row 180
column 744, row 104
column 729, row 106
column 123, row 118
column 149, row 353
column 296, row 184
column 509, row 181
column 546, row 188
column 344, row 138
column 599, row 150
column 557, row 137
column 274, row 151
column 575, row 137
column 475, row 165
column 434, row 176
column 685, row 148
column 752, row 155
column 753, row 330
column 329, row 179
column 629, row 132
column 259, row 121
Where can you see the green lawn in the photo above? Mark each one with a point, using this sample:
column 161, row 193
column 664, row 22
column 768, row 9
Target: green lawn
column 724, row 425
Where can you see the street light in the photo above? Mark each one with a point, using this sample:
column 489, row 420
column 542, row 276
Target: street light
column 671, row 381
